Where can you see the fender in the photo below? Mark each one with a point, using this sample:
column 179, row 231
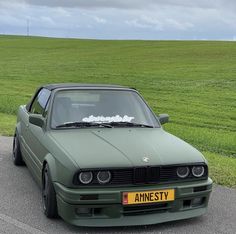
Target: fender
column 59, row 171
column 51, row 162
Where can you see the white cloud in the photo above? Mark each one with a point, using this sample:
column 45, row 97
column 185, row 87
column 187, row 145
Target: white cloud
column 61, row 11
column 179, row 25
column 47, row 20
column 100, row 20
column 152, row 21
column 139, row 24
column 160, row 24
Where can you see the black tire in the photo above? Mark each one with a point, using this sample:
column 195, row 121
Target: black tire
column 48, row 195
column 16, row 152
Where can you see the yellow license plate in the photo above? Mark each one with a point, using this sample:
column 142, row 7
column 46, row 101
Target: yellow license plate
column 130, row 198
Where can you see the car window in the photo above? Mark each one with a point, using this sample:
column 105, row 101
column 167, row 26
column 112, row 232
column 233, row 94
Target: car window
column 40, row 102
column 100, row 106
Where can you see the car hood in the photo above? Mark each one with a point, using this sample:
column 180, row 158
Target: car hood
column 124, row 147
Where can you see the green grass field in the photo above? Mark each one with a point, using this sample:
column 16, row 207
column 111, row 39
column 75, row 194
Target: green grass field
column 193, row 81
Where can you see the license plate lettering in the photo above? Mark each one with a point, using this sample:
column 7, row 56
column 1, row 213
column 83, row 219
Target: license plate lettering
column 151, row 197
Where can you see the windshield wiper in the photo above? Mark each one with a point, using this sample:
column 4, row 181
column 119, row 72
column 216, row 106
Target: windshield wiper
column 83, row 124
column 105, row 125
column 129, row 124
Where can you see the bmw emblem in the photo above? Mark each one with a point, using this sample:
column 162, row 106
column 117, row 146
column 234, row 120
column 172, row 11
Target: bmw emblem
column 145, row 159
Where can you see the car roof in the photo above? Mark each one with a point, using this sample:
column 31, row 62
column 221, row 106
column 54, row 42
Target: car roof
column 79, row 85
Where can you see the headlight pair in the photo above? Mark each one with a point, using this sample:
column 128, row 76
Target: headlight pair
column 197, row 171
column 103, row 177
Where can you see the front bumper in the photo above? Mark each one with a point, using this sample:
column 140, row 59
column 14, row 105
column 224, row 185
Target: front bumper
column 103, row 206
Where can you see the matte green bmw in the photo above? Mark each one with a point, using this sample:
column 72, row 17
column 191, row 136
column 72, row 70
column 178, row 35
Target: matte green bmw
column 102, row 158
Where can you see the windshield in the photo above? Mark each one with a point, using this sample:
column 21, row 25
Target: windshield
column 114, row 107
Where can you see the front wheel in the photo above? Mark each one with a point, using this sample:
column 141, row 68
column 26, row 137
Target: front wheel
column 48, row 195
column 16, row 152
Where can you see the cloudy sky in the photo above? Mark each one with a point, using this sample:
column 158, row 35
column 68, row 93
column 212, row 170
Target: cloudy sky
column 121, row 19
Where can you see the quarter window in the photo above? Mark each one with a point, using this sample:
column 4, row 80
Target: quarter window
column 40, row 102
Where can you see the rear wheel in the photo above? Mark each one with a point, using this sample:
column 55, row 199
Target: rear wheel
column 48, row 195
column 16, row 152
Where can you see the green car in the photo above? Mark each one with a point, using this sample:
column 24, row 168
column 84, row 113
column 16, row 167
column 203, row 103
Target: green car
column 102, row 158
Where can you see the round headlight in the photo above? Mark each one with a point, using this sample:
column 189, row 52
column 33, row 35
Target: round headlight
column 198, row 171
column 104, row 177
column 182, row 172
column 85, row 177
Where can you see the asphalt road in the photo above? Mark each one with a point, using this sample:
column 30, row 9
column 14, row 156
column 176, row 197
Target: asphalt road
column 21, row 209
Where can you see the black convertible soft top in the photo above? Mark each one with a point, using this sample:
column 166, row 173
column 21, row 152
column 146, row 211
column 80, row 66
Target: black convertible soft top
column 78, row 85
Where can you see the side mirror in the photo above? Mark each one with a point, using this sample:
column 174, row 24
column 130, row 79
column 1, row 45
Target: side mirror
column 36, row 120
column 164, row 118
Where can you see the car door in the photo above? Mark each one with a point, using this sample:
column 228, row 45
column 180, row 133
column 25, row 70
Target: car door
column 35, row 135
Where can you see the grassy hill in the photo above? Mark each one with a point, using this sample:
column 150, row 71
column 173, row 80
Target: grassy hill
column 193, row 81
